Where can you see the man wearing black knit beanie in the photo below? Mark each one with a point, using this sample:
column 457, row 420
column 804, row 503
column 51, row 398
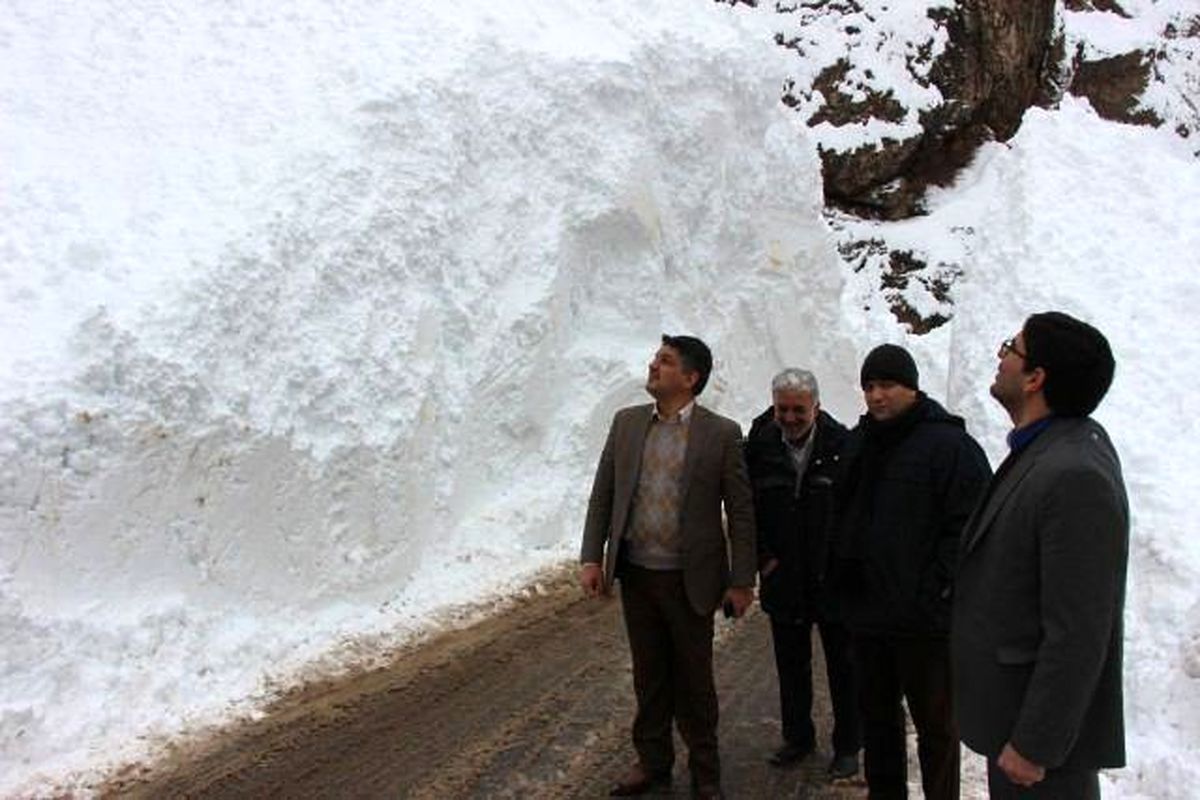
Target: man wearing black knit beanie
column 911, row 475
column 1037, row 639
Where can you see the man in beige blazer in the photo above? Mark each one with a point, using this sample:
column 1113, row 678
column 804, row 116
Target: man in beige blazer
column 654, row 522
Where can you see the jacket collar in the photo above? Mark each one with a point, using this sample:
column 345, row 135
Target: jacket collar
column 1006, row 482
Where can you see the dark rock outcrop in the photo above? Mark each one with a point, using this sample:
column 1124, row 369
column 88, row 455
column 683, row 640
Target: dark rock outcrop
column 1113, row 86
column 993, row 68
column 1096, row 5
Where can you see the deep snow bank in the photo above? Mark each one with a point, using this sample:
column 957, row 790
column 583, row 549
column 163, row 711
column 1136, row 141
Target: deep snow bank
column 318, row 314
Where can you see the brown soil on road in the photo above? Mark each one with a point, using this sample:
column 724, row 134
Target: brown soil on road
column 533, row 702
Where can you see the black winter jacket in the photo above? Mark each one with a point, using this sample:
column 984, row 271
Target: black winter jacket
column 794, row 528
column 905, row 491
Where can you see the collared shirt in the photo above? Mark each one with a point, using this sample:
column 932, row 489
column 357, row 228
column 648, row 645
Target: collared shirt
column 684, row 414
column 1020, row 438
column 800, row 453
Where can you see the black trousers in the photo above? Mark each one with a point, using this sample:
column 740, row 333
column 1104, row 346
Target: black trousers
column 672, row 649
column 916, row 670
column 793, row 664
column 1059, row 784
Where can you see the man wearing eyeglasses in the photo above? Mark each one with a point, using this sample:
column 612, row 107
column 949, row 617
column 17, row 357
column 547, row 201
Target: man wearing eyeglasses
column 911, row 474
column 1037, row 640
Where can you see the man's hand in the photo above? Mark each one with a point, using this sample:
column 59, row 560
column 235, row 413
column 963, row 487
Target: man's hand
column 1019, row 769
column 769, row 567
column 740, row 598
column 591, row 579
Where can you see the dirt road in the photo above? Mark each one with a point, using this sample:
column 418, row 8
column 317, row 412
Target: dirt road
column 534, row 702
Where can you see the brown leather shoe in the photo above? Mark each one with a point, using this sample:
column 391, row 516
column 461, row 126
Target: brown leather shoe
column 639, row 781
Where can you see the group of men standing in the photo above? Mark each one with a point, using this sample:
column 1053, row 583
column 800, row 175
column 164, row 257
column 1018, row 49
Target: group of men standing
column 989, row 605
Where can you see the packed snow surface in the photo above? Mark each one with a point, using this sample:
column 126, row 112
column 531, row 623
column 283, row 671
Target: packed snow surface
column 314, row 318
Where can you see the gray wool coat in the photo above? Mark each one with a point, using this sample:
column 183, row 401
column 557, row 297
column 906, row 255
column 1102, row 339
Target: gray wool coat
column 1037, row 626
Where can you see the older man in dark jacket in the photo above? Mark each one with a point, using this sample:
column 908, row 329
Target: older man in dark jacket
column 792, row 453
column 911, row 474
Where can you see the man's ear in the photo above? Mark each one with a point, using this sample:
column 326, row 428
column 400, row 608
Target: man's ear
column 692, row 377
column 1035, row 380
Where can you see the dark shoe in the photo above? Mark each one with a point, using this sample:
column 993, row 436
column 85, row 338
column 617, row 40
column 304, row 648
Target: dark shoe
column 843, row 767
column 789, row 754
column 706, row 793
column 639, row 782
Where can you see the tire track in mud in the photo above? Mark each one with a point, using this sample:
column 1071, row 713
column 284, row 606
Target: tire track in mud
column 532, row 702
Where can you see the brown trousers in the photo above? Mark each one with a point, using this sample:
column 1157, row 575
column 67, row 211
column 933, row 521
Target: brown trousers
column 672, row 649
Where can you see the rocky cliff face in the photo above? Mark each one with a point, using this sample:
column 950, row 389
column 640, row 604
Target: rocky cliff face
column 975, row 67
column 899, row 96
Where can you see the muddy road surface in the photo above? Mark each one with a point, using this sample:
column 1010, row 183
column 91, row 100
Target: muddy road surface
column 533, row 702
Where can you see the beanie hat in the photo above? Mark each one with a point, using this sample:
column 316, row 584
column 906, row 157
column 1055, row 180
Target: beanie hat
column 1076, row 358
column 889, row 362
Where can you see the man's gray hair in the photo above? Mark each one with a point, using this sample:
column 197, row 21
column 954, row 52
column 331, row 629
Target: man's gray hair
column 796, row 380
